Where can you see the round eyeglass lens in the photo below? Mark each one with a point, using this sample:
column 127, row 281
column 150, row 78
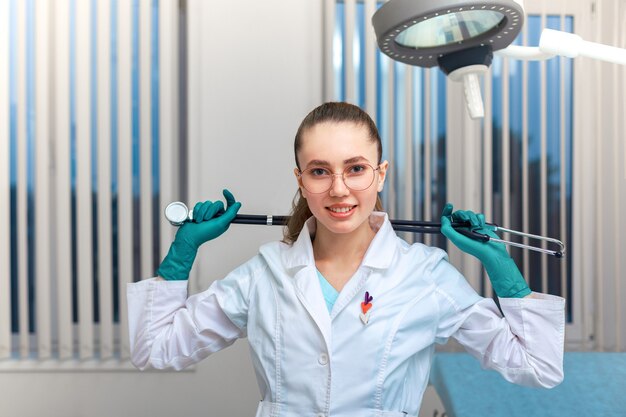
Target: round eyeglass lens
column 449, row 28
column 356, row 178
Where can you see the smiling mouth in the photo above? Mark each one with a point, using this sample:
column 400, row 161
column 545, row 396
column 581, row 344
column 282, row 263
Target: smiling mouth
column 341, row 209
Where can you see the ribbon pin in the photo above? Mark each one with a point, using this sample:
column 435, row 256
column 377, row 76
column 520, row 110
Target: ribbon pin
column 365, row 308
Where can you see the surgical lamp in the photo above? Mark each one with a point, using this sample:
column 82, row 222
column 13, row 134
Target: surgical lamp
column 460, row 36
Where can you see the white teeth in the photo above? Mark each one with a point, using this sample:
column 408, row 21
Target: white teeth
column 340, row 210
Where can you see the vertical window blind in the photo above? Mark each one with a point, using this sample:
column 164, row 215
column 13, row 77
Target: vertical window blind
column 84, row 140
column 530, row 134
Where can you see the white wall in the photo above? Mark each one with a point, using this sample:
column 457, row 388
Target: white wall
column 256, row 73
column 252, row 92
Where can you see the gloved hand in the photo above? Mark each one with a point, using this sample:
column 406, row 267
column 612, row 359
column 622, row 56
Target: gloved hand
column 209, row 221
column 506, row 279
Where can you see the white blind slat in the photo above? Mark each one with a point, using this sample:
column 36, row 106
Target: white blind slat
column 5, row 186
column 409, row 152
column 105, row 258
column 168, row 102
column 329, row 73
column 543, row 166
column 617, row 163
column 194, row 105
column 83, row 179
column 42, row 181
column 22, row 161
column 599, row 206
column 63, row 223
column 145, row 146
column 370, row 60
column 348, row 50
column 620, row 42
column 428, row 97
column 622, row 193
column 388, row 142
column 488, row 164
column 125, row 209
column 525, row 177
column 595, row 206
column 506, row 148
column 563, row 166
column 418, row 111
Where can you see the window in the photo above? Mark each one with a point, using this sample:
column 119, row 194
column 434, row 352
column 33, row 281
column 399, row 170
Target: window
column 528, row 183
column 84, row 178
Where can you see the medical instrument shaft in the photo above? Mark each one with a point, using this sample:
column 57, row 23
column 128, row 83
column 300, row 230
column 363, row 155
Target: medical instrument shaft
column 422, row 226
column 177, row 213
column 415, row 226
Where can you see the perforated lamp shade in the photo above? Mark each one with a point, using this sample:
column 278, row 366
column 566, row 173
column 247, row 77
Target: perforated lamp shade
column 420, row 32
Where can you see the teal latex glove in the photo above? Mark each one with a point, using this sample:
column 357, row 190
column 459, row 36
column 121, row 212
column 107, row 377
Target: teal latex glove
column 506, row 279
column 210, row 220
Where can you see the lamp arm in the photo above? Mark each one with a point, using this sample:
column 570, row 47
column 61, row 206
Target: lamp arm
column 554, row 42
column 471, row 87
column 524, row 53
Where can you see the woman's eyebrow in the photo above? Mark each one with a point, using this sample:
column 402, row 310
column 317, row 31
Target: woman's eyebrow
column 319, row 162
column 355, row 159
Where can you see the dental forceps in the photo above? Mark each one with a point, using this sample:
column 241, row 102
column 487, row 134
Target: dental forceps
column 177, row 213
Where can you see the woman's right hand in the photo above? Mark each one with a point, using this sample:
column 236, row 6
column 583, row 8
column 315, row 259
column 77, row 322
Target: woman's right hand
column 210, row 220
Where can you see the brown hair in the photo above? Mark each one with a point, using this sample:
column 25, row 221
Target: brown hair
column 334, row 112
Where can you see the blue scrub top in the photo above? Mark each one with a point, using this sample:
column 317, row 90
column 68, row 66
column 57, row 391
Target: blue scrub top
column 329, row 292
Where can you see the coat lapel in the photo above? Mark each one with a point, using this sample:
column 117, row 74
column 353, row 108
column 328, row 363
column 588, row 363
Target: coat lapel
column 299, row 258
column 379, row 256
column 310, row 295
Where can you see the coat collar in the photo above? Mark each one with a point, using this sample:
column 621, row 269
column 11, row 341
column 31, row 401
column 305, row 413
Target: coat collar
column 379, row 254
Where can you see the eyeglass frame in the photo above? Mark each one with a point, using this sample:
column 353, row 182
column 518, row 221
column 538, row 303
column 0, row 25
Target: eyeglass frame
column 333, row 174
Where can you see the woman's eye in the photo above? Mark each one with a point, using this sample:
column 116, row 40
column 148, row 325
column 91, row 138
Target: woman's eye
column 318, row 172
column 356, row 169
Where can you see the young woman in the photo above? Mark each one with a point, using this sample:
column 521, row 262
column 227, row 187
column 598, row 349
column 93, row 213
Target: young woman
column 343, row 316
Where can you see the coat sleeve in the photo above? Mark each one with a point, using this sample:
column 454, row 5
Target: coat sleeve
column 525, row 345
column 168, row 329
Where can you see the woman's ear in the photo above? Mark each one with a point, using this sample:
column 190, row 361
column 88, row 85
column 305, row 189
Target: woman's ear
column 296, row 172
column 382, row 174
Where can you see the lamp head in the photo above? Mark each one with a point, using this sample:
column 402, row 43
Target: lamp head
column 420, row 32
column 459, row 36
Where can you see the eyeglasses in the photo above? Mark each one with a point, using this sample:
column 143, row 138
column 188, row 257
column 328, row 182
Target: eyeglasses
column 357, row 177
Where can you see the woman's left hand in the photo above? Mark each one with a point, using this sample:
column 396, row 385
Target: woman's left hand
column 506, row 279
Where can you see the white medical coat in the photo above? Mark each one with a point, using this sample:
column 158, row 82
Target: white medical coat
column 312, row 363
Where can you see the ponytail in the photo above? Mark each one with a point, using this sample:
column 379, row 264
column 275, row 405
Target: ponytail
column 300, row 212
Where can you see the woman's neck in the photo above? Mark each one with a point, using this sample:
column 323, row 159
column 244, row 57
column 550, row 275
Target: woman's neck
column 339, row 255
column 347, row 247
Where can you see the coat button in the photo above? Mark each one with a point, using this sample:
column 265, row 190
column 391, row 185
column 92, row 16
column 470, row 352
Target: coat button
column 323, row 360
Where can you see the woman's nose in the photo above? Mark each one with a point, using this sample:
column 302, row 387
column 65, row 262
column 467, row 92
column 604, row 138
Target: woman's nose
column 338, row 187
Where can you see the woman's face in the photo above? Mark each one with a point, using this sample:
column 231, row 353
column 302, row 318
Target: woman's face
column 332, row 147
